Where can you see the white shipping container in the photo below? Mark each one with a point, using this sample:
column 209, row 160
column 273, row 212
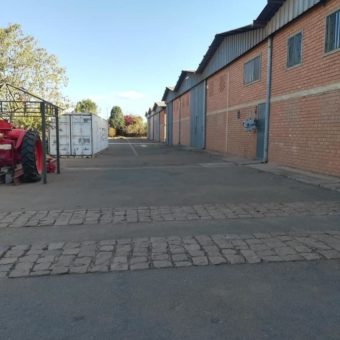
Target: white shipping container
column 82, row 134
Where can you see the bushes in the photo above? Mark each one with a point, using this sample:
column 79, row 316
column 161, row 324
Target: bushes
column 134, row 126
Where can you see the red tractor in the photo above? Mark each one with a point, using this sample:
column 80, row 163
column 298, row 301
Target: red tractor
column 21, row 153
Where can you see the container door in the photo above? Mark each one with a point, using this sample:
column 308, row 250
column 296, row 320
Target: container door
column 260, row 128
column 169, row 123
column 197, row 116
column 64, row 136
column 81, row 141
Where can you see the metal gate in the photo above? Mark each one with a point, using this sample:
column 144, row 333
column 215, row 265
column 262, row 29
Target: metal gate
column 260, row 129
column 197, row 116
column 169, row 122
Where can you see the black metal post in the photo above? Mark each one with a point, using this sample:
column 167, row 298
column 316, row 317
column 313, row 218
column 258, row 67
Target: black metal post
column 43, row 139
column 57, row 139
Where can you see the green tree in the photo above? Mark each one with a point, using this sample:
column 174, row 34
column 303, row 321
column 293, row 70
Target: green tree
column 86, row 105
column 116, row 119
column 25, row 65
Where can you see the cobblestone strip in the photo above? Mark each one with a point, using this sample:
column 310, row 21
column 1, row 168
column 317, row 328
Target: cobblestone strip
column 167, row 213
column 165, row 252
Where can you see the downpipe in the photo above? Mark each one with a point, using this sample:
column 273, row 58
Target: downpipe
column 268, row 98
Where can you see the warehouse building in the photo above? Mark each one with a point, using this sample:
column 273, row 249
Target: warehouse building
column 156, row 122
column 267, row 91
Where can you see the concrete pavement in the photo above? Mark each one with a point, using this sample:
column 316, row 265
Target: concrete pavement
column 138, row 189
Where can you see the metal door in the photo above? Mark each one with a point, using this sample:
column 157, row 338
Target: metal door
column 81, row 135
column 260, row 128
column 169, row 122
column 197, row 117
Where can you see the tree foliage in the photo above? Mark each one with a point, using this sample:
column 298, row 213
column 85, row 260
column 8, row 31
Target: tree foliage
column 25, row 65
column 137, row 126
column 86, row 105
column 116, row 119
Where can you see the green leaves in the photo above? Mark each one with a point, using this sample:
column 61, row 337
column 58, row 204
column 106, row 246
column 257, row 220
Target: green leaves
column 86, row 105
column 116, row 119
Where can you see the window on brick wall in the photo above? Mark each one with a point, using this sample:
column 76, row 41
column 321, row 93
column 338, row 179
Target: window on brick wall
column 294, row 50
column 332, row 41
column 252, row 70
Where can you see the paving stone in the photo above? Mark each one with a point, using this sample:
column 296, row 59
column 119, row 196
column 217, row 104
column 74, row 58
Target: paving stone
column 56, row 246
column 162, row 264
column 102, row 258
column 285, row 251
column 310, row 256
column 19, row 273
column 40, row 273
column 42, row 266
column 3, row 275
column 83, row 261
column 217, row 260
column 160, row 257
column 46, row 259
column 71, row 245
column 71, row 251
column 5, row 267
column 183, row 264
column 291, row 258
column 179, row 257
column 227, row 252
column 235, row 259
column 107, row 243
column 60, row 270
column 196, row 253
column 120, row 259
column 102, row 268
column 78, row 270
column 139, row 266
column 330, row 254
column 3, row 250
column 141, row 259
column 271, row 258
column 8, row 260
column 106, row 248
column 119, row 266
column 200, row 261
column 28, row 258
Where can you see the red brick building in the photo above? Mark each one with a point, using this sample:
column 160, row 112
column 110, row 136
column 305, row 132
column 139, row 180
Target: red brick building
column 282, row 73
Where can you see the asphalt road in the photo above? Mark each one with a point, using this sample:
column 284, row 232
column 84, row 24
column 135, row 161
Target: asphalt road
column 272, row 301
column 154, row 174
column 292, row 300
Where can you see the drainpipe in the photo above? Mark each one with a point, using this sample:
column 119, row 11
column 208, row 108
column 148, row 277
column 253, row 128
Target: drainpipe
column 268, row 98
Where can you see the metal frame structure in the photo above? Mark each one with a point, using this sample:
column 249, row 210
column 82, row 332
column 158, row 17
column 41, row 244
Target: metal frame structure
column 21, row 103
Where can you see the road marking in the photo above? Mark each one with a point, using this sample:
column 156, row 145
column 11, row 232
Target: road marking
column 117, row 143
column 133, row 149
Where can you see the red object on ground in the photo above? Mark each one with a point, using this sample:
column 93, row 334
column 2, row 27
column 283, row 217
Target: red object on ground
column 21, row 147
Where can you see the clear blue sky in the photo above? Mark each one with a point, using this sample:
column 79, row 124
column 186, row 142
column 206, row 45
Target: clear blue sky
column 124, row 52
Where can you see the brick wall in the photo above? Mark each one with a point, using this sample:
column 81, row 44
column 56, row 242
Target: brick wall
column 229, row 102
column 217, row 98
column 305, row 127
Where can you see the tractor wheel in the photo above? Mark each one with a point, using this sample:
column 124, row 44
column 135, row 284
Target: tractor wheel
column 32, row 157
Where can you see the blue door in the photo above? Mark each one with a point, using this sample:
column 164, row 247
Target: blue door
column 260, row 128
column 169, row 123
column 197, row 117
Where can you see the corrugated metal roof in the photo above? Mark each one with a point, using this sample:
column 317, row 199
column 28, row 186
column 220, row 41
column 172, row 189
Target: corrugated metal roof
column 219, row 38
column 268, row 12
column 168, row 89
column 228, row 46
